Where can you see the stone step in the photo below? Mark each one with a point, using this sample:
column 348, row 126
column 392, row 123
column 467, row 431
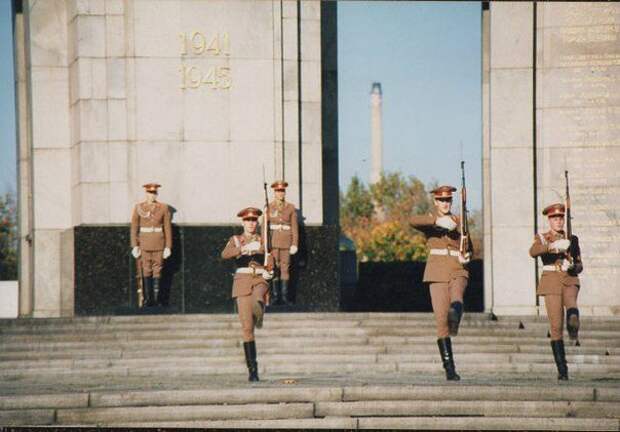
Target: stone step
column 212, row 359
column 164, row 350
column 273, row 321
column 282, row 332
column 485, row 423
column 310, row 394
column 289, row 320
column 260, row 411
column 303, row 369
column 364, row 409
column 485, row 408
column 483, row 340
column 286, row 339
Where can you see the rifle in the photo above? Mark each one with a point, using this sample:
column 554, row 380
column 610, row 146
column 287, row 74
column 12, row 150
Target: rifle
column 465, row 244
column 265, row 233
column 569, row 226
column 139, row 282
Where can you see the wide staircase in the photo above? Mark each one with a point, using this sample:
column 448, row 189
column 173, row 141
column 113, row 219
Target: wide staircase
column 318, row 370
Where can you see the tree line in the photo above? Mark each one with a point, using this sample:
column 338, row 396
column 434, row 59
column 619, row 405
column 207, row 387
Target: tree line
column 376, row 218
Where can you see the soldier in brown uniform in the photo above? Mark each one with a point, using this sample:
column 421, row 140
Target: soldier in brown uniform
column 284, row 238
column 250, row 286
column 151, row 240
column 559, row 283
column 444, row 271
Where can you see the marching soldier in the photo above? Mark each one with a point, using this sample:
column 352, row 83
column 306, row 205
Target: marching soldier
column 559, row 282
column 284, row 238
column 250, row 286
column 444, row 271
column 151, row 240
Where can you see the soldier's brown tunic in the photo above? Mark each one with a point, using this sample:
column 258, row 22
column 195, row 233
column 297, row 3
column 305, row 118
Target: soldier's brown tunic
column 552, row 282
column 283, row 214
column 559, row 288
column 446, row 276
column 151, row 215
column 244, row 282
column 247, row 288
column 440, row 268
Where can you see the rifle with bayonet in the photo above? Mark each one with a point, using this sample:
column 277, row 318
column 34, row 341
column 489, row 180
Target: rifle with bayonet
column 569, row 226
column 265, row 231
column 465, row 246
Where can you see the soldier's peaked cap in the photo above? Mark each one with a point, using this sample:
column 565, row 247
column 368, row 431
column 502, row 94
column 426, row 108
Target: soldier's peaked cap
column 249, row 213
column 151, row 187
column 554, row 210
column 279, row 185
column 443, row 192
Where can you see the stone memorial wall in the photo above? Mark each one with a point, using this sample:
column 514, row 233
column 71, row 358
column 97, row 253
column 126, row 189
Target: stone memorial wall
column 578, row 119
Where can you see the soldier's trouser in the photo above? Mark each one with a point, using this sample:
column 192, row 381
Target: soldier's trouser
column 442, row 294
column 244, row 306
column 555, row 304
column 152, row 263
column 282, row 258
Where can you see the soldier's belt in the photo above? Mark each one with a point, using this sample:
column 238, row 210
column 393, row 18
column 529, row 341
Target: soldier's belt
column 279, row 227
column 445, row 252
column 250, row 270
column 552, row 267
column 150, row 229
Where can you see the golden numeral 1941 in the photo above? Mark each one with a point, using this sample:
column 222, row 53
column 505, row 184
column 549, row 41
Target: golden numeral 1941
column 198, row 44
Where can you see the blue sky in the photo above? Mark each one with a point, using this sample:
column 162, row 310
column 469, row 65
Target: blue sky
column 8, row 161
column 427, row 57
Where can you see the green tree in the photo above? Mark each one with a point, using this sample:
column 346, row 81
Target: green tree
column 377, row 218
column 356, row 203
column 8, row 238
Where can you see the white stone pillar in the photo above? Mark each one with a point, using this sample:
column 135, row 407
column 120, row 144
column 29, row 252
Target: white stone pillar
column 25, row 172
column 486, row 165
column 511, row 157
column 48, row 80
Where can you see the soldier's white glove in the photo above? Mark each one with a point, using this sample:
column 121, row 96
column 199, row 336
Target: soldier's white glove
column 136, row 252
column 446, row 222
column 566, row 265
column 167, row 252
column 561, row 245
column 465, row 259
column 268, row 275
column 292, row 250
column 247, row 249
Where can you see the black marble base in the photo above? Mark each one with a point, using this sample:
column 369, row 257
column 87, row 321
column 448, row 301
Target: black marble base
column 398, row 287
column 195, row 278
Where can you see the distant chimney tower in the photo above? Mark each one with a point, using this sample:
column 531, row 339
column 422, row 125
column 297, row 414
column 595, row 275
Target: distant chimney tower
column 376, row 144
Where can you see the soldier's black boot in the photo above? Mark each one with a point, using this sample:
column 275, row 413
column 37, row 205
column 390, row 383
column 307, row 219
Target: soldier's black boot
column 156, row 291
column 559, row 355
column 572, row 323
column 276, row 291
column 454, row 317
column 147, row 290
column 285, row 299
column 249, row 348
column 445, row 349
